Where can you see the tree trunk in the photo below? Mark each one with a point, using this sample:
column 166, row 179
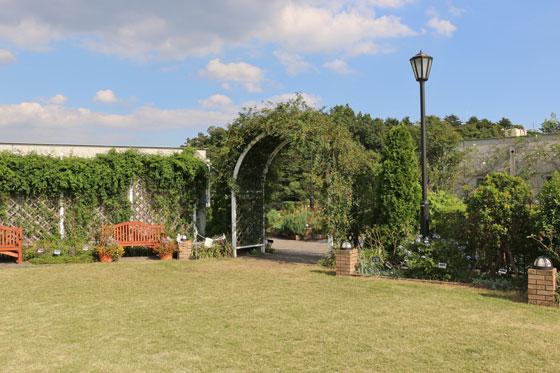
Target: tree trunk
column 473, row 268
column 511, row 261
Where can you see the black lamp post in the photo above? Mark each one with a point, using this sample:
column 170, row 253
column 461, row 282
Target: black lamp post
column 421, row 65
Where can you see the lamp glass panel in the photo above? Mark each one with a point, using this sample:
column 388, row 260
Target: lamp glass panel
column 413, row 64
column 418, row 63
column 428, row 68
column 425, row 65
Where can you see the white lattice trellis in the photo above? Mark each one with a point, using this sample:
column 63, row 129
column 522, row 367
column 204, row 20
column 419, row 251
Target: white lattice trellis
column 39, row 216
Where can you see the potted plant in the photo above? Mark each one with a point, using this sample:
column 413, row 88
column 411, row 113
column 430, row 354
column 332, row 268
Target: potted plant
column 165, row 248
column 109, row 250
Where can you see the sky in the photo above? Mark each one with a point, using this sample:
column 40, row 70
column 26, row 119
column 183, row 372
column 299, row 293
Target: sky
column 147, row 73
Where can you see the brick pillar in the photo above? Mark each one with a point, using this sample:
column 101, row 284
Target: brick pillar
column 185, row 250
column 542, row 286
column 346, row 261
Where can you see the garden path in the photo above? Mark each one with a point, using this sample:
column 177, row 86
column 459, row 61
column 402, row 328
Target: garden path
column 292, row 251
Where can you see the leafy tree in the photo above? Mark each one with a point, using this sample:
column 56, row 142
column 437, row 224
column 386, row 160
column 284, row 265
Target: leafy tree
column 498, row 215
column 453, row 120
column 399, row 191
column 365, row 130
column 549, row 216
column 551, row 125
column 505, row 123
column 443, row 156
column 476, row 128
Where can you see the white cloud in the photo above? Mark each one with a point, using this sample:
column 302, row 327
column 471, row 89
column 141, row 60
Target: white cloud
column 252, row 87
column 240, row 72
column 294, row 63
column 338, row 66
column 442, row 27
column 306, row 29
column 55, row 100
column 311, row 100
column 6, row 57
column 216, row 101
column 178, row 29
column 28, row 32
column 457, row 12
column 36, row 122
column 389, row 3
column 105, row 96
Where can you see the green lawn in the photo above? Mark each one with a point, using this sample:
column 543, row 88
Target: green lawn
column 255, row 315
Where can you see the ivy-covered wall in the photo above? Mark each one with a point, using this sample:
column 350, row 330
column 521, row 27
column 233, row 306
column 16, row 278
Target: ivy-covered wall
column 36, row 189
column 533, row 158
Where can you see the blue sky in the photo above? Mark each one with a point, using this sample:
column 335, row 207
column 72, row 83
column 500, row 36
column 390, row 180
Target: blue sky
column 153, row 73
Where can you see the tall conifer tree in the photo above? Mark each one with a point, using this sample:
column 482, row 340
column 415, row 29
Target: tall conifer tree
column 399, row 183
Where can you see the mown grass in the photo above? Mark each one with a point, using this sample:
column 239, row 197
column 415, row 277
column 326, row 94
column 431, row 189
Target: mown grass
column 256, row 315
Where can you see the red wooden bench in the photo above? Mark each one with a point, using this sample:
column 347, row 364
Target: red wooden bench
column 133, row 233
column 11, row 242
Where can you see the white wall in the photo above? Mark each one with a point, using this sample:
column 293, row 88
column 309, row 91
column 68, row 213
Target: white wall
column 85, row 151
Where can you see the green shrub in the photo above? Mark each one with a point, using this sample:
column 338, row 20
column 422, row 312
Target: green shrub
column 423, row 255
column 328, row 261
column 548, row 224
column 219, row 249
column 295, row 223
column 79, row 258
column 447, row 215
column 274, row 220
column 499, row 222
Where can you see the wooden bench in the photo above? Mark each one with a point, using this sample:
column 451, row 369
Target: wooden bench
column 11, row 242
column 133, row 233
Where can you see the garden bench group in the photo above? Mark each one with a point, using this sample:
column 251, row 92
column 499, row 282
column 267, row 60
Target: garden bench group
column 130, row 233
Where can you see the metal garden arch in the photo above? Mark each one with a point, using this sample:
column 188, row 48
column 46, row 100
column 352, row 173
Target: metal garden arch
column 239, row 237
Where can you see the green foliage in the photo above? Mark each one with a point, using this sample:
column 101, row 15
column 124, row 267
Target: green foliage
column 423, row 255
column 334, row 157
column 295, row 223
column 398, row 186
column 42, row 252
column 442, row 154
column 447, row 215
column 476, row 128
column 369, row 268
column 494, row 284
column 328, row 261
column 175, row 182
column 551, row 125
column 274, row 220
column 549, row 217
column 219, row 249
column 111, row 248
column 79, row 258
column 498, row 216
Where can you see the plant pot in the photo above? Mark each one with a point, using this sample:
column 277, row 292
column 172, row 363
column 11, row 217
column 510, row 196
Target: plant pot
column 105, row 258
column 167, row 256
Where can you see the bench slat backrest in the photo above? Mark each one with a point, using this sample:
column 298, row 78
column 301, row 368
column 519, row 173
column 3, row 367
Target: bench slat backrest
column 135, row 232
column 10, row 237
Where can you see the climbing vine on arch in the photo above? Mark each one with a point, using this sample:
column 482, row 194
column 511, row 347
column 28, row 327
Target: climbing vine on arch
column 336, row 160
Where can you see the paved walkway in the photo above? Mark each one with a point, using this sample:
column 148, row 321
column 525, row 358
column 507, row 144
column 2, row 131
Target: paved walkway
column 291, row 251
column 286, row 251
